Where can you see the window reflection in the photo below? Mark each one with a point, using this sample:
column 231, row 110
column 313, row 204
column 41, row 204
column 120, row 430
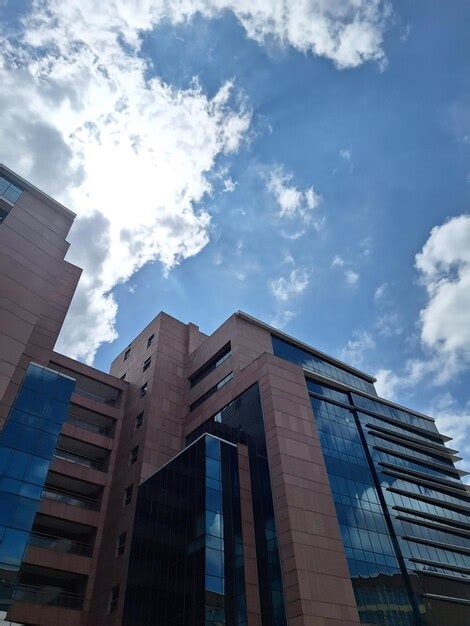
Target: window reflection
column 27, row 444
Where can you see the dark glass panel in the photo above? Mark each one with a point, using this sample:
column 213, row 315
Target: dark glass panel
column 316, row 364
column 242, row 420
column 185, row 555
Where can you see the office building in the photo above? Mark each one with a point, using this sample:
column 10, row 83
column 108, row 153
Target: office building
column 238, row 478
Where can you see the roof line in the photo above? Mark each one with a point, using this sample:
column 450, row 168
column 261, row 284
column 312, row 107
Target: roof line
column 35, row 190
column 305, row 346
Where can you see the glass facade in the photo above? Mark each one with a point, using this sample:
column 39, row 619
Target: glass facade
column 242, row 420
column 9, row 190
column 27, row 444
column 211, row 365
column 402, row 509
column 420, row 485
column 186, row 564
column 211, row 391
column 316, row 364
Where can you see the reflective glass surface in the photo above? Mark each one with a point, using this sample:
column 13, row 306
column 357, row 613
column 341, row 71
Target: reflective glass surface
column 27, row 444
column 211, row 365
column 415, row 494
column 242, row 420
column 428, row 508
column 9, row 190
column 186, row 565
column 211, row 391
column 314, row 363
column 380, row 589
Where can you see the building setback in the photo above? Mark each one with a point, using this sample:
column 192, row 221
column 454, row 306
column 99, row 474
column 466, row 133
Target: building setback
column 240, row 478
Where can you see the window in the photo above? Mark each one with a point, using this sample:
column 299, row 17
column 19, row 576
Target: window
column 4, row 210
column 123, row 377
column 150, row 340
column 121, row 544
column 133, row 455
column 143, row 390
column 213, row 363
column 139, row 420
column 320, row 365
column 147, row 364
column 113, row 598
column 128, row 495
column 9, row 191
column 211, row 391
column 127, row 354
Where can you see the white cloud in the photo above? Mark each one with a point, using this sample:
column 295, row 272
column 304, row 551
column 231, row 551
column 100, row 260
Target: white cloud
column 388, row 324
column 346, row 154
column 286, row 287
column 380, row 292
column 351, row 276
column 348, row 32
column 282, row 318
column 292, row 202
column 453, row 421
column 229, row 185
column 132, row 155
column 353, row 351
column 444, row 267
column 337, row 262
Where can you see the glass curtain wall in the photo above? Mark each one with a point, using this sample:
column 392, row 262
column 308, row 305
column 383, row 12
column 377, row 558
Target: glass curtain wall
column 186, row 564
column 27, row 444
column 389, row 469
column 242, row 420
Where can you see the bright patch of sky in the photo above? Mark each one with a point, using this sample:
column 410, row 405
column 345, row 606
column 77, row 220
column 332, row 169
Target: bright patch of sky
column 308, row 165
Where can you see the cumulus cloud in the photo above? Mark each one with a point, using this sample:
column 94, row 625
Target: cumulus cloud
column 295, row 207
column 353, row 351
column 454, row 421
column 444, row 266
column 444, row 269
column 348, row 32
column 351, row 276
column 286, row 287
column 337, row 262
column 130, row 154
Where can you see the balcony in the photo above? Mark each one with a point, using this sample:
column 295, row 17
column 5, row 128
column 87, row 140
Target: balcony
column 60, row 535
column 90, row 420
column 91, row 388
column 72, row 491
column 82, row 453
column 48, row 587
column 48, row 596
column 60, row 544
column 65, row 497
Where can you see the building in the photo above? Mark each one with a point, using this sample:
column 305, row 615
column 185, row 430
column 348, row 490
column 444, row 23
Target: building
column 241, row 478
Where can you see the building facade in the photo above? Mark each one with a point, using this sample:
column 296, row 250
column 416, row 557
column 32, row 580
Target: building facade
column 239, row 479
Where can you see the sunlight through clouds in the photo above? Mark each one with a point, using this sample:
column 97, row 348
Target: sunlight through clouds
column 86, row 118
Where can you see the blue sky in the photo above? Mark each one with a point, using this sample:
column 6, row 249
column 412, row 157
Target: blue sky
column 279, row 164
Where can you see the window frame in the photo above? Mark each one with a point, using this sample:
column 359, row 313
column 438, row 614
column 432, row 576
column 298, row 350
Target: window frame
column 128, row 495
column 134, row 455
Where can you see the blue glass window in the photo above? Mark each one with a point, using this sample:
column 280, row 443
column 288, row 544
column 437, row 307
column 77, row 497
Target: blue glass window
column 9, row 190
column 27, row 443
column 378, row 582
column 316, row 364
